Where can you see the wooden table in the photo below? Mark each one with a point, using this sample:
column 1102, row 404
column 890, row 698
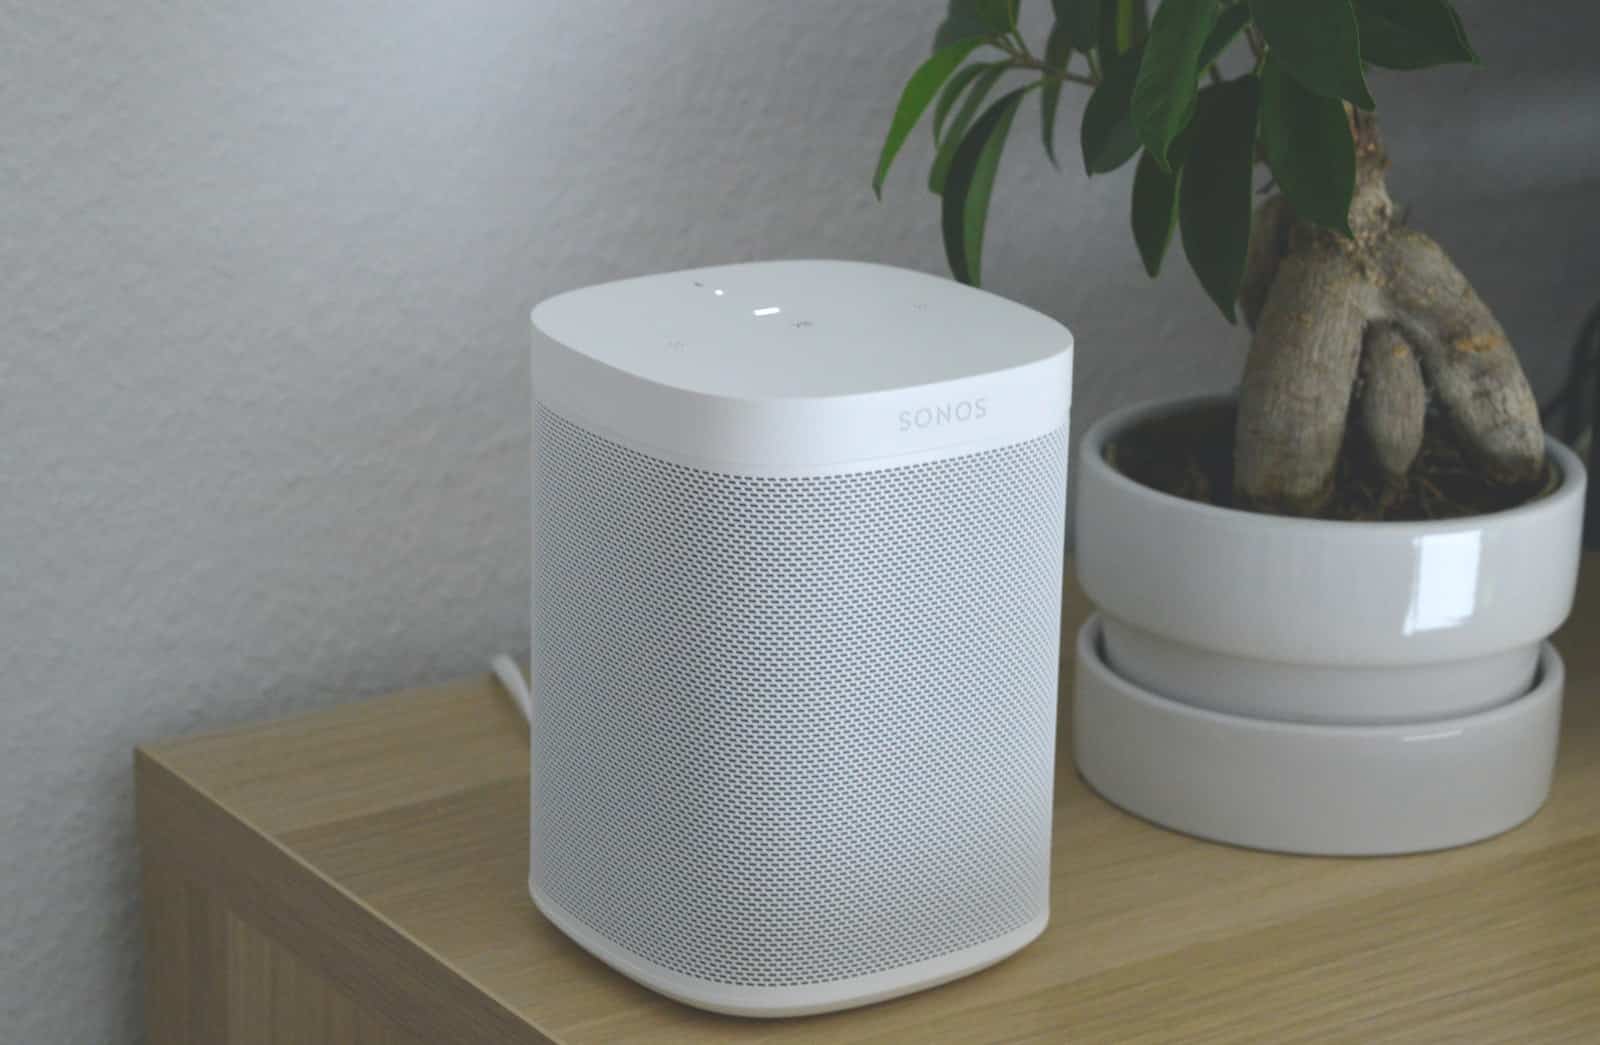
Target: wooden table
column 359, row 876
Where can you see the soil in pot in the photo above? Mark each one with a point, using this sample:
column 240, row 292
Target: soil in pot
column 1189, row 454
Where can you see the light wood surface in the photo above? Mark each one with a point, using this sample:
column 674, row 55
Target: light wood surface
column 358, row 877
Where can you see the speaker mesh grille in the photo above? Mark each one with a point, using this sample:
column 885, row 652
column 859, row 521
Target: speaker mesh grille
column 794, row 730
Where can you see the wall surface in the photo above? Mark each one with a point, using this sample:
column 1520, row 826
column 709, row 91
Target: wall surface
column 264, row 271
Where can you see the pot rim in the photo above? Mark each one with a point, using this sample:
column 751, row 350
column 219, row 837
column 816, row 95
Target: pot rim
column 1091, row 458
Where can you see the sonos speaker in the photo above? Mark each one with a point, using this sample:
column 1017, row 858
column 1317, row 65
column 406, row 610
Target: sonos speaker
column 797, row 543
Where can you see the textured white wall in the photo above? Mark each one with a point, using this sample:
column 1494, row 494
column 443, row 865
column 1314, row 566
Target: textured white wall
column 263, row 277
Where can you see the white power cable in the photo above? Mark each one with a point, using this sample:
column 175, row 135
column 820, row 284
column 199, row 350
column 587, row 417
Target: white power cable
column 510, row 676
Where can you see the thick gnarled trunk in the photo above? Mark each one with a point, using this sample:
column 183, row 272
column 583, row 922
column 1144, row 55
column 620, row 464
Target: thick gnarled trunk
column 1387, row 312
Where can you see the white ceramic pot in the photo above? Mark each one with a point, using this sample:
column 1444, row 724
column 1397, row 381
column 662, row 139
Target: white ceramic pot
column 1338, row 630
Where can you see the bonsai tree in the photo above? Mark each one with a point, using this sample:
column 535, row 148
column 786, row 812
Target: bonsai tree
column 1359, row 322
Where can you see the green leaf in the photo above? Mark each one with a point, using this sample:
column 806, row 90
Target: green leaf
column 1155, row 209
column 1318, row 44
column 975, row 20
column 1081, row 19
column 998, row 10
column 952, row 91
column 914, row 100
column 1123, row 25
column 966, row 198
column 1309, row 148
column 1229, row 23
column 1164, row 92
column 1412, row 34
column 1107, row 134
column 1057, row 50
column 981, row 86
column 1214, row 206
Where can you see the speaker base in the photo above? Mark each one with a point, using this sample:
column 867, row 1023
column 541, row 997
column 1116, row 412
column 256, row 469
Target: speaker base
column 771, row 1002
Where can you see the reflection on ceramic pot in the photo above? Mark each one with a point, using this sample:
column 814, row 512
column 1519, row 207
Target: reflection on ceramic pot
column 1317, row 621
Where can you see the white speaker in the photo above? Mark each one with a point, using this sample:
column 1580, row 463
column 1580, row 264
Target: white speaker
column 797, row 542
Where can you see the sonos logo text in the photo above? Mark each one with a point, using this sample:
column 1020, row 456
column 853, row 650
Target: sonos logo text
column 957, row 412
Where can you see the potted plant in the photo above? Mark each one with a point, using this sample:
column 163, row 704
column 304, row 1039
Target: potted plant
column 1323, row 602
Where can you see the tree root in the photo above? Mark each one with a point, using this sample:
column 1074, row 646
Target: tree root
column 1468, row 358
column 1320, row 304
column 1297, row 383
column 1393, row 402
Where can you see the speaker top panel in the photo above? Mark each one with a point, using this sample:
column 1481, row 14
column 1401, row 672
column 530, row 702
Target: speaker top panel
column 798, row 329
